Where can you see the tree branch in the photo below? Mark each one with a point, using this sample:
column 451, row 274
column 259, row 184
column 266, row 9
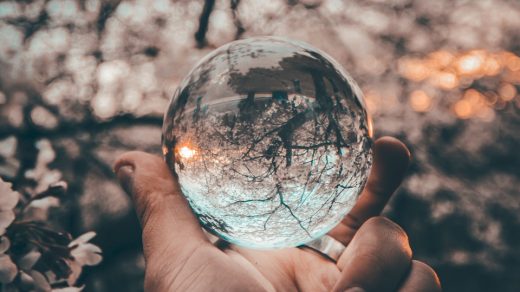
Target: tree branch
column 200, row 35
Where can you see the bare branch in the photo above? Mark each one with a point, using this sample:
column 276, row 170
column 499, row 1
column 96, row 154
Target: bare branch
column 200, row 35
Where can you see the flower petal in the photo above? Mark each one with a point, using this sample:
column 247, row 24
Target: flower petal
column 40, row 282
column 8, row 269
column 76, row 272
column 8, row 197
column 87, row 254
column 6, row 218
column 91, row 248
column 83, row 238
column 27, row 261
column 26, row 281
column 4, row 244
column 45, row 203
column 93, row 259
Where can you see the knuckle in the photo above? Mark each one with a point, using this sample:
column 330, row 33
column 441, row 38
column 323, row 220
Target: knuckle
column 377, row 188
column 144, row 214
column 155, row 278
column 151, row 282
column 149, row 197
column 403, row 253
column 352, row 222
column 152, row 276
column 386, row 225
column 396, row 238
column 148, row 209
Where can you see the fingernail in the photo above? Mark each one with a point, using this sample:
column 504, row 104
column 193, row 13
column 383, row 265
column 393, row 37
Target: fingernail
column 125, row 174
column 355, row 289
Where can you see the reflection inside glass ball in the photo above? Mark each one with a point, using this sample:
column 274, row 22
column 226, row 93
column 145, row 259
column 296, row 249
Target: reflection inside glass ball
column 270, row 141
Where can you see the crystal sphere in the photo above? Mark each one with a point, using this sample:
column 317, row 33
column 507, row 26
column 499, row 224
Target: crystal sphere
column 270, row 141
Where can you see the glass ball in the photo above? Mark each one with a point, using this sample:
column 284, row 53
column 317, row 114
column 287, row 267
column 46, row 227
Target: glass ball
column 270, row 141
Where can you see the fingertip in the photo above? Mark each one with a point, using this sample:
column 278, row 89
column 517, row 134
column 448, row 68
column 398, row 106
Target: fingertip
column 400, row 240
column 143, row 163
column 421, row 278
column 131, row 158
column 125, row 175
column 427, row 272
column 392, row 148
column 124, row 159
column 391, row 159
column 145, row 177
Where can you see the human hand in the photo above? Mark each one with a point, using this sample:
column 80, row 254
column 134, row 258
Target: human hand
column 180, row 257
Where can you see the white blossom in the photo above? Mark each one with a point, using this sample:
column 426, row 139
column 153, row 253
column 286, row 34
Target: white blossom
column 8, row 200
column 4, row 244
column 8, row 269
column 29, row 260
column 84, row 254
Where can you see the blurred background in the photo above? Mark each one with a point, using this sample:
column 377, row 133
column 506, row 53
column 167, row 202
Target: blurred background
column 83, row 81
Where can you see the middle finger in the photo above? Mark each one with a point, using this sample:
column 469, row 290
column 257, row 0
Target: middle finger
column 376, row 259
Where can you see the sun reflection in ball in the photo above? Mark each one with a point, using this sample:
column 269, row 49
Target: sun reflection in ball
column 187, row 152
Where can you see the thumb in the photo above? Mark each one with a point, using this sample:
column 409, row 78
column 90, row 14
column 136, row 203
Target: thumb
column 167, row 221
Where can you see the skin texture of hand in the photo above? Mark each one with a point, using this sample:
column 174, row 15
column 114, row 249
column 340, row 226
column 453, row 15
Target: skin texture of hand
column 180, row 257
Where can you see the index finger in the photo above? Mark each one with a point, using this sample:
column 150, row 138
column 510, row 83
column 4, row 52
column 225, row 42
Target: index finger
column 377, row 259
column 391, row 159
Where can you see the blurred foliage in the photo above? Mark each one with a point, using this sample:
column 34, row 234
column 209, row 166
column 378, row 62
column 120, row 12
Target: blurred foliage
column 35, row 256
column 82, row 81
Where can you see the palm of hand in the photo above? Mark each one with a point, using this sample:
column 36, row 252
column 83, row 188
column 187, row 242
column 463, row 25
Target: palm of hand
column 180, row 257
column 233, row 269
